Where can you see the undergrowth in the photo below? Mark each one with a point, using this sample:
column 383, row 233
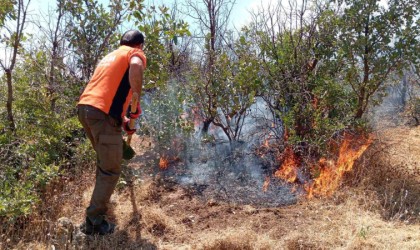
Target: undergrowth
column 34, row 157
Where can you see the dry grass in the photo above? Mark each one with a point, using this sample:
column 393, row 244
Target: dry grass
column 368, row 213
column 391, row 168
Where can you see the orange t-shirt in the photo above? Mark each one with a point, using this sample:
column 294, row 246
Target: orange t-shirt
column 109, row 88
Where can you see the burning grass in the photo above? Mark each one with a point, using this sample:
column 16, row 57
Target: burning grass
column 289, row 169
column 326, row 174
column 163, row 162
column 331, row 172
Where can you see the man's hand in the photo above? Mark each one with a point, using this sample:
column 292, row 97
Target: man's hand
column 126, row 127
column 136, row 114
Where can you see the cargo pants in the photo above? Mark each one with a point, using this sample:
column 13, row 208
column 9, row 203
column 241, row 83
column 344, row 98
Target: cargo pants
column 104, row 132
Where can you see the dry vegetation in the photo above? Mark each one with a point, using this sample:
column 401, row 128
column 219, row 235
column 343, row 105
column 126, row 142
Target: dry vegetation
column 378, row 208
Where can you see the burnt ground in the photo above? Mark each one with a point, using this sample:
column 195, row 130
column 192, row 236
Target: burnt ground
column 220, row 172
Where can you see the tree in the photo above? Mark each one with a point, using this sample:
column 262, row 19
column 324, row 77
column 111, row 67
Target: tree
column 236, row 85
column 374, row 41
column 212, row 17
column 164, row 32
column 92, row 32
column 12, row 40
column 166, row 47
column 296, row 57
column 53, row 30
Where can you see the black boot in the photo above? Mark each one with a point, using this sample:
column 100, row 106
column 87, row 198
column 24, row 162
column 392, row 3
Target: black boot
column 103, row 228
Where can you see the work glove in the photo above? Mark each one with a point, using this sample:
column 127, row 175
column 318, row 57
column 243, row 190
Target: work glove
column 136, row 114
column 126, row 127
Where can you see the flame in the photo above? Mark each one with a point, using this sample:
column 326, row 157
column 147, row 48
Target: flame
column 289, row 168
column 331, row 172
column 266, row 183
column 328, row 172
column 163, row 162
column 266, row 144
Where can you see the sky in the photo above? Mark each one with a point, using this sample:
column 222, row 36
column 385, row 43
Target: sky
column 240, row 14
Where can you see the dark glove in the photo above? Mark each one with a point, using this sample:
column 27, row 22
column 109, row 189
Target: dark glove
column 127, row 129
column 128, row 152
column 136, row 114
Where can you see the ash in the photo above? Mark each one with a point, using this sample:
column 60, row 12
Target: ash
column 229, row 172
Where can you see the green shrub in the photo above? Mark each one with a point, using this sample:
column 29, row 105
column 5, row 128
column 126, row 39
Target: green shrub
column 29, row 163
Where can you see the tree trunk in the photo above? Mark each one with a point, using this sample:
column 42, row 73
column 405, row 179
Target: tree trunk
column 9, row 103
column 360, row 106
column 363, row 97
column 359, row 113
column 404, row 91
column 206, row 125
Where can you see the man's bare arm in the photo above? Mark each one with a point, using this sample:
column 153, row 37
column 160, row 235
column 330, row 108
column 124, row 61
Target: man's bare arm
column 136, row 74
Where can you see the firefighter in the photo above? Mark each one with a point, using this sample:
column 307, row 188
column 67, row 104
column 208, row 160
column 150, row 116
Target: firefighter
column 101, row 111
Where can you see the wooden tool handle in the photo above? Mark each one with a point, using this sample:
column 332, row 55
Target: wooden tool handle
column 132, row 123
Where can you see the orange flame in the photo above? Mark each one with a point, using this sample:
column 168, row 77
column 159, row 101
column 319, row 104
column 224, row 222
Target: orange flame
column 163, row 162
column 331, row 172
column 289, row 168
column 266, row 183
column 266, row 144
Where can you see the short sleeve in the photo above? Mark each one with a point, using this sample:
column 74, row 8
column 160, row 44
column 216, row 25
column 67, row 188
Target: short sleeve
column 138, row 53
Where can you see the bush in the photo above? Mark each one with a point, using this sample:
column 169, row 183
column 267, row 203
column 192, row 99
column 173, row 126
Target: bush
column 34, row 157
column 165, row 120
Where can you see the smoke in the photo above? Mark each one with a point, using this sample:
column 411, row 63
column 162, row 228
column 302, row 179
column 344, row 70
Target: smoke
column 259, row 125
column 215, row 169
column 394, row 106
column 232, row 171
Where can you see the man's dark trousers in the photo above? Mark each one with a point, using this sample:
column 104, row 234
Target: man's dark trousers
column 105, row 134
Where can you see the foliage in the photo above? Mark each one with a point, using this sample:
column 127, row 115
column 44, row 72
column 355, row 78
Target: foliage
column 298, row 71
column 30, row 160
column 6, row 11
column 44, row 144
column 224, row 82
column 92, row 31
column 233, row 87
column 163, row 105
column 164, row 31
column 165, row 119
column 321, row 67
column 375, row 41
